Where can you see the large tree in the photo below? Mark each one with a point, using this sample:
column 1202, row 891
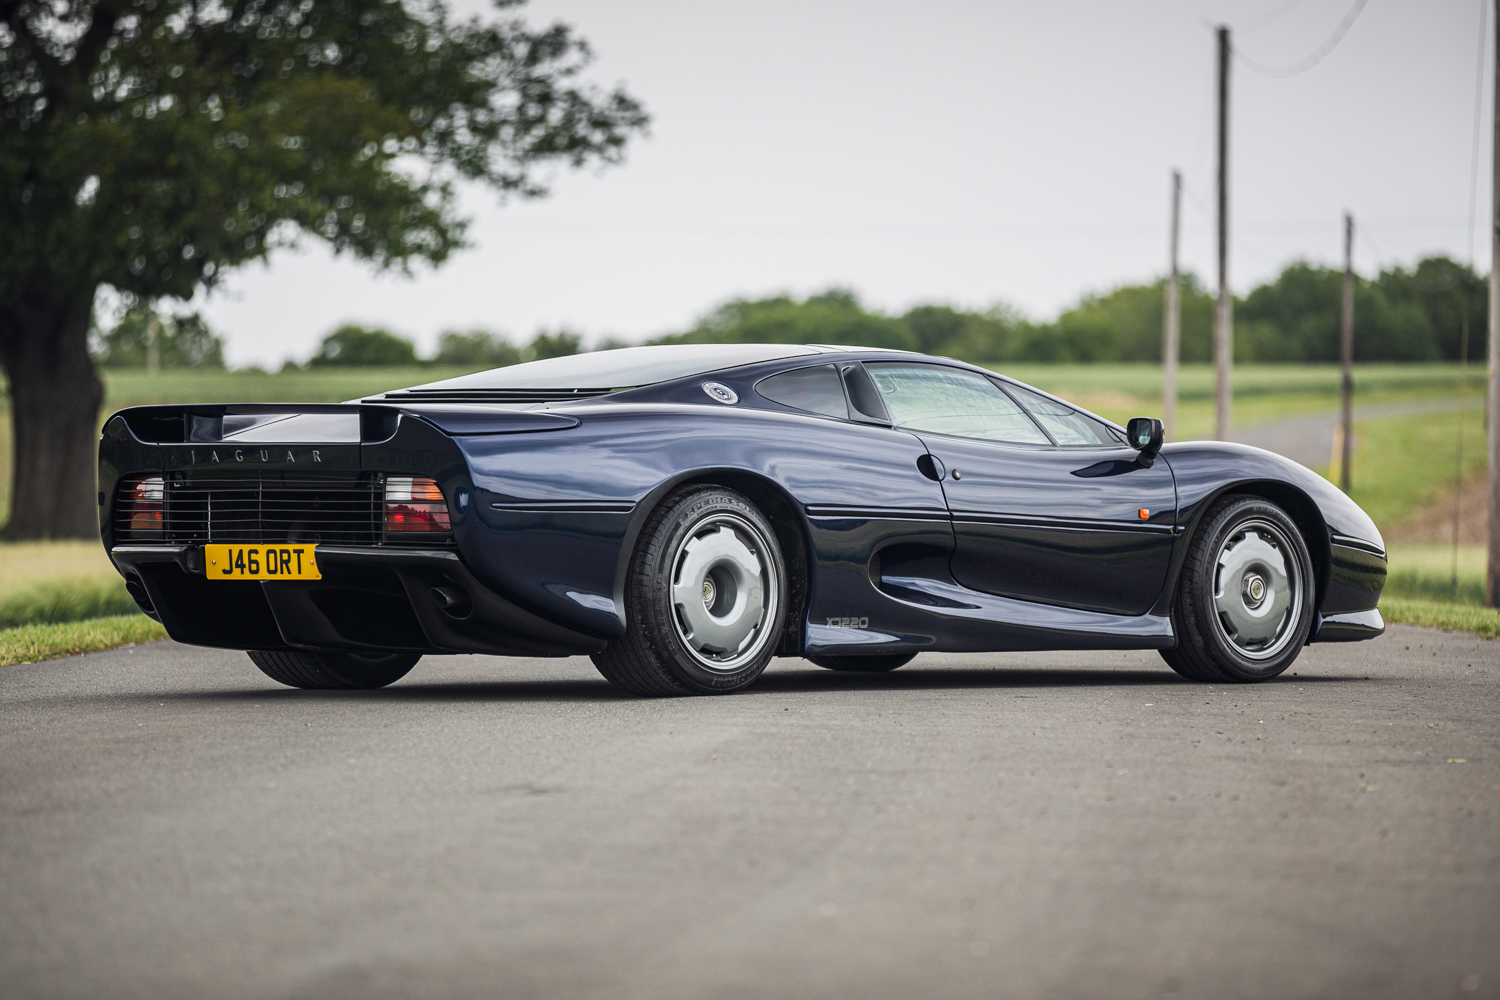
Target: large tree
column 150, row 145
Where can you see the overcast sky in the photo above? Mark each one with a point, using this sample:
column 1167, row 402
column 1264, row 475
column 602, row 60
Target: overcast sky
column 937, row 151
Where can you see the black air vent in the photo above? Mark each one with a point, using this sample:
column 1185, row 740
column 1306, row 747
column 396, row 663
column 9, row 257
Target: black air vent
column 269, row 507
column 493, row 395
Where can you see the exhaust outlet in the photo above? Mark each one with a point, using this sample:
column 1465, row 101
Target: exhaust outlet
column 452, row 600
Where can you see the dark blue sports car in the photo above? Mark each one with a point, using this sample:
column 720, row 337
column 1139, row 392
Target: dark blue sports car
column 683, row 514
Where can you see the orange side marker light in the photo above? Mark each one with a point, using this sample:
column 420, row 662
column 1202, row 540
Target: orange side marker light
column 1145, row 514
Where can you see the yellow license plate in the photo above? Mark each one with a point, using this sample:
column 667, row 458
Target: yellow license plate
column 261, row 562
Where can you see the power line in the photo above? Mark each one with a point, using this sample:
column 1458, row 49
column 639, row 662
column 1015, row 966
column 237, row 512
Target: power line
column 1394, row 269
column 1236, row 240
column 1329, row 44
column 1268, row 19
column 1388, row 265
column 709, row 228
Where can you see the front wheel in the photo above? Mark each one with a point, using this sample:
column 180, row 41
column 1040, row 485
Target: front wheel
column 705, row 598
column 303, row 669
column 1245, row 604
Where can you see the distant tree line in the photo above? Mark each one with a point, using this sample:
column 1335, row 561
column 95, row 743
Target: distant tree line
column 183, row 340
column 351, row 345
column 1402, row 315
column 154, row 146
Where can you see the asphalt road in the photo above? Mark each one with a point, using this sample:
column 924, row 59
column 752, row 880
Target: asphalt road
column 172, row 824
column 1309, row 439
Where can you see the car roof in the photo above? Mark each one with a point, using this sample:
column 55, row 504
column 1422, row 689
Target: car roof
column 626, row 367
column 601, row 373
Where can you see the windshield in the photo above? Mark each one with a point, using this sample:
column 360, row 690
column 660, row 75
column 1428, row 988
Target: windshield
column 623, row 368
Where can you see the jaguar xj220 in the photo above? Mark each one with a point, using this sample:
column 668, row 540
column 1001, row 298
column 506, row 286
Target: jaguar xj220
column 682, row 514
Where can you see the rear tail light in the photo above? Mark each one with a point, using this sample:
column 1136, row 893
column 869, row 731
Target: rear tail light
column 143, row 498
column 414, row 503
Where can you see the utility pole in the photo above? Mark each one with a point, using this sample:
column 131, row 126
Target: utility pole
column 1223, row 330
column 1492, row 417
column 1172, row 325
column 1346, row 357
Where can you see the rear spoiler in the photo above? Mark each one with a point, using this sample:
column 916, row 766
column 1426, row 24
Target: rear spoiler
column 320, row 423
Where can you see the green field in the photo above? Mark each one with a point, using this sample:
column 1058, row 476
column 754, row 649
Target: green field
column 1401, row 465
column 326, row 385
column 1196, row 382
column 1426, row 572
column 319, row 385
column 1262, row 393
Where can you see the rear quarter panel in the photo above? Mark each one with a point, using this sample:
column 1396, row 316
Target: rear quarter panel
column 556, row 514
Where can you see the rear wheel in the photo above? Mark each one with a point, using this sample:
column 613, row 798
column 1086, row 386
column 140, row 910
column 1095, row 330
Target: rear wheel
column 866, row 664
column 1244, row 604
column 705, row 598
column 305, row 669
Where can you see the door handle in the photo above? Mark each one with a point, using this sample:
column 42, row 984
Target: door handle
column 932, row 467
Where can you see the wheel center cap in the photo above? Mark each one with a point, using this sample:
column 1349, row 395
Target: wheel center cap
column 708, row 593
column 1254, row 589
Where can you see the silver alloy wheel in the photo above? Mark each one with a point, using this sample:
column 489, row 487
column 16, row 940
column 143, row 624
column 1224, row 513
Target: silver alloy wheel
column 724, row 590
column 1257, row 589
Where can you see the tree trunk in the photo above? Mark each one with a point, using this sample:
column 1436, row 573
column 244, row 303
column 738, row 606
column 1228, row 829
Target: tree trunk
column 55, row 398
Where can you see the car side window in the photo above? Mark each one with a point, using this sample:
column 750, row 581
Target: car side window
column 951, row 401
column 1067, row 426
column 816, row 390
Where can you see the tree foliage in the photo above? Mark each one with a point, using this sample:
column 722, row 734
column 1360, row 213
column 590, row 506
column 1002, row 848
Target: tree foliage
column 552, row 345
column 1125, row 324
column 1298, row 317
column 151, row 145
column 834, row 317
column 476, row 349
column 479, row 349
column 183, row 340
column 355, row 346
column 1446, row 293
column 1402, row 315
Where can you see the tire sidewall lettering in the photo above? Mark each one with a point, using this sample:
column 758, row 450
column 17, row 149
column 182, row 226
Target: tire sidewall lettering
column 683, row 517
column 1199, row 600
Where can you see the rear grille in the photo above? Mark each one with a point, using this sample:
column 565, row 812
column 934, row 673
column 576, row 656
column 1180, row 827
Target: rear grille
column 493, row 395
column 268, row 507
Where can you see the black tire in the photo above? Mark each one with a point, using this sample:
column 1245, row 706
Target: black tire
column 1245, row 600
column 864, row 664
column 302, row 669
column 668, row 647
column 1178, row 663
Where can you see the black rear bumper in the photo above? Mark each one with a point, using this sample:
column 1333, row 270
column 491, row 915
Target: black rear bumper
column 368, row 600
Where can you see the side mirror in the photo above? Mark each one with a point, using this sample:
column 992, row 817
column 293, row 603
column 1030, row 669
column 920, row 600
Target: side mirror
column 1144, row 435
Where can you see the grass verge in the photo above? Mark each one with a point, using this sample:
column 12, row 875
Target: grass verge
column 1425, row 573
column 1404, row 462
column 1484, row 622
column 31, row 643
column 64, row 601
